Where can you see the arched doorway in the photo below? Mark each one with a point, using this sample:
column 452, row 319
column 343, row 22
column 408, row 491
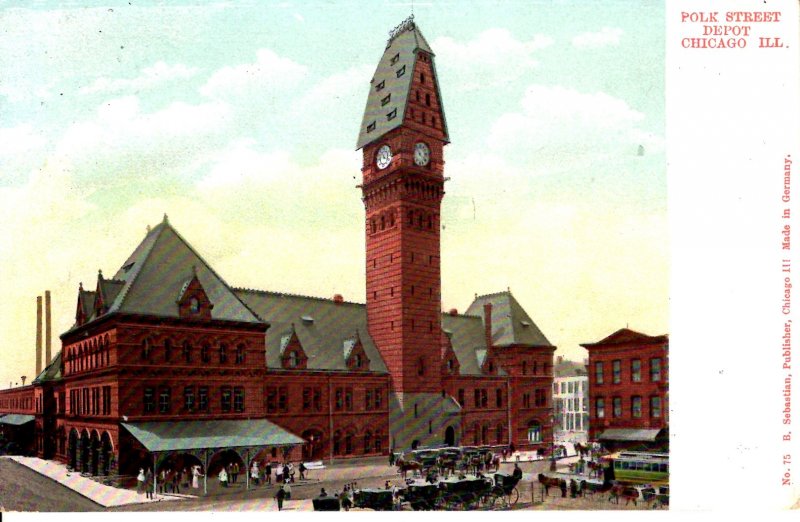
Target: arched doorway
column 225, row 458
column 85, row 451
column 94, row 461
column 105, row 453
column 450, row 436
column 313, row 448
column 72, row 453
column 534, row 431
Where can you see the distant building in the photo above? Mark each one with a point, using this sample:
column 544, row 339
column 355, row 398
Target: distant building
column 628, row 389
column 571, row 399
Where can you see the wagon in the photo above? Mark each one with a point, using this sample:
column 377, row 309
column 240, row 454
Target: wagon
column 465, row 493
column 423, row 497
column 505, row 489
column 376, row 499
column 326, row 504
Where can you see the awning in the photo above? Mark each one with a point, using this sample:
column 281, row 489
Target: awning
column 16, row 419
column 622, row 434
column 191, row 435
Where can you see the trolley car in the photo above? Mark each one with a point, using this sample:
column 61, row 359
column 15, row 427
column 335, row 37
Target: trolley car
column 640, row 467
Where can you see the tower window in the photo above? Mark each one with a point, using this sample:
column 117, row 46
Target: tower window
column 433, row 121
column 423, row 117
column 416, row 93
column 428, row 99
column 421, row 77
column 380, row 86
column 371, row 127
column 386, row 100
column 401, row 71
column 392, row 114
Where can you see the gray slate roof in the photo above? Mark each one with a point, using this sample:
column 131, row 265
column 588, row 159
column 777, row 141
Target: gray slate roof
column 151, row 279
column 467, row 339
column 52, row 371
column 510, row 323
column 570, row 369
column 404, row 46
column 324, row 337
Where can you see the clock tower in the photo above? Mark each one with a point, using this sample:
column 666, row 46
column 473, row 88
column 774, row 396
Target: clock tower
column 402, row 137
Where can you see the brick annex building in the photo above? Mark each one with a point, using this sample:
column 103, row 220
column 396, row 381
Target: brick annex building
column 165, row 353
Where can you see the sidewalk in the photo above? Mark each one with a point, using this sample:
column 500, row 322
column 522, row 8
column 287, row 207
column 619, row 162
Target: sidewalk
column 106, row 496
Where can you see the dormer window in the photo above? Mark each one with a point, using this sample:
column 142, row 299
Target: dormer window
column 392, row 115
column 395, row 58
column 293, row 359
column 357, row 361
column 401, row 71
column 386, row 99
column 380, row 86
column 194, row 305
column 371, row 127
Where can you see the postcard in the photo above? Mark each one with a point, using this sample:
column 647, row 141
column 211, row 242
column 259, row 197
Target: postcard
column 398, row 255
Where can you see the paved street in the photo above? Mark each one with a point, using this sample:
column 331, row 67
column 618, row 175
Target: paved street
column 21, row 489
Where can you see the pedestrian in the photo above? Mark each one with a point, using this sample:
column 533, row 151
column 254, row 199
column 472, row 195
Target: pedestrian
column 517, row 474
column 511, row 448
column 140, row 479
column 323, row 493
column 573, row 489
column 285, row 473
column 391, row 457
column 176, row 482
column 223, row 477
column 196, row 477
column 280, row 496
column 235, row 467
column 302, row 471
column 254, row 473
column 288, row 489
column 148, row 484
column 291, row 472
column 268, row 473
column 162, row 479
column 505, row 454
column 347, row 500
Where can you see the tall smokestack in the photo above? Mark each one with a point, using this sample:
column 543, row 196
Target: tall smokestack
column 38, row 334
column 48, row 355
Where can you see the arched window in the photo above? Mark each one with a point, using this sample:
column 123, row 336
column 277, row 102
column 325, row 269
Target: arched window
column 427, row 97
column 204, row 357
column 374, row 226
column 194, row 305
column 535, row 367
column 187, row 352
column 450, row 365
column 378, row 443
column 383, row 222
column 96, row 352
column 368, row 442
column 391, row 219
column 293, row 359
column 357, row 360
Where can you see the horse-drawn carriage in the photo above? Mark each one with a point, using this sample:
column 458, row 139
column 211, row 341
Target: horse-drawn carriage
column 376, row 499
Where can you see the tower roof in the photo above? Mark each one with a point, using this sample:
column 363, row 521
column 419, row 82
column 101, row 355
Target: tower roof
column 391, row 84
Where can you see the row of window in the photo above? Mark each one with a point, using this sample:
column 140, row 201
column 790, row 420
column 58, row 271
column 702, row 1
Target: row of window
column 94, row 400
column 15, row 403
column 186, row 353
column 278, row 399
column 87, row 355
column 636, row 371
column 539, row 398
column 570, row 387
column 195, row 399
column 546, row 367
column 480, row 434
column 343, row 444
column 635, row 407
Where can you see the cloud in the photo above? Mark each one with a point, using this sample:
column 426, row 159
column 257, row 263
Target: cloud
column 263, row 77
column 607, row 36
column 495, row 53
column 150, row 77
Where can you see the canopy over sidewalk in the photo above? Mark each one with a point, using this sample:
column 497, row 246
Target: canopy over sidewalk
column 16, row 419
column 632, row 435
column 158, row 436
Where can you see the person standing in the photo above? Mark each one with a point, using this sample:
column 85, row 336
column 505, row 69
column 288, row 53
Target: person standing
column 280, row 496
column 391, row 457
column 302, row 469
column 196, row 477
column 223, row 477
column 176, row 481
column 140, row 479
column 268, row 473
column 162, row 479
column 254, row 474
column 148, row 484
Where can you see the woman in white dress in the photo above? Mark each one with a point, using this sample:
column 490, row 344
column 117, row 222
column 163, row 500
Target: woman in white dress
column 196, row 477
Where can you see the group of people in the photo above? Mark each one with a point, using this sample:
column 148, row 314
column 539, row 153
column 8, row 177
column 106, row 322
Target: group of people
column 169, row 480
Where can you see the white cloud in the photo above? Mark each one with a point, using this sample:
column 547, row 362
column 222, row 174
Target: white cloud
column 493, row 54
column 607, row 36
column 150, row 77
column 262, row 78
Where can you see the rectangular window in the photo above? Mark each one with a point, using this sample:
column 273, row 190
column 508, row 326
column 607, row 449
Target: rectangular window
column 401, row 71
column 202, row 398
column 598, row 372
column 225, row 399
column 317, row 399
column 306, row 399
column 477, row 398
column 386, row 99
column 655, row 406
column 484, row 398
column 655, row 370
column 499, row 398
column 238, row 399
column 272, row 399
column 600, row 407
column 540, row 397
column 616, row 371
column 461, row 397
column 636, row 370
column 636, row 407
column 163, row 400
column 149, row 400
column 378, row 399
column 348, row 399
column 617, row 407
column 339, row 399
column 283, row 399
column 188, row 398
column 106, row 400
column 368, row 400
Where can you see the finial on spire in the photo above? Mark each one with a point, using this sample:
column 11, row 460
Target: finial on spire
column 100, row 273
column 166, row 219
column 148, row 229
column 80, row 286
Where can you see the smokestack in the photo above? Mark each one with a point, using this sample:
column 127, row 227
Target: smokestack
column 48, row 355
column 38, row 335
column 23, row 379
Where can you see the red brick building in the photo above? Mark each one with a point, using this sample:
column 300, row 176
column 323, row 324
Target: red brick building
column 628, row 390
column 166, row 348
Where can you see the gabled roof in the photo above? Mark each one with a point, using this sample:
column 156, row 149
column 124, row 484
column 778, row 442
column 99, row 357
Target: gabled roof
column 152, row 278
column 399, row 56
column 323, row 327
column 510, row 323
column 52, row 371
column 626, row 336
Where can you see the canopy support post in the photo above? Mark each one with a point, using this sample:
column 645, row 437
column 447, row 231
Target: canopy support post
column 205, row 475
column 247, row 470
column 155, row 473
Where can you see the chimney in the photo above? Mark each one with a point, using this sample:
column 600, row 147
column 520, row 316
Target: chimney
column 48, row 355
column 453, row 311
column 23, row 379
column 487, row 323
column 338, row 299
column 38, row 335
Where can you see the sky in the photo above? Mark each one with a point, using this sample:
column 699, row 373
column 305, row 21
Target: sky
column 239, row 120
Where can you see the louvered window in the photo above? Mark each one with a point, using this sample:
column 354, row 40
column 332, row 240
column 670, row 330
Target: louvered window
column 392, row 115
column 401, row 71
column 386, row 99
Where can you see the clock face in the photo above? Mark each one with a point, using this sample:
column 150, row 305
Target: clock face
column 384, row 157
column 422, row 154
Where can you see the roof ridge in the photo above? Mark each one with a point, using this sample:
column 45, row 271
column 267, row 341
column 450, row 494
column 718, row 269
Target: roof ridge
column 289, row 294
column 493, row 294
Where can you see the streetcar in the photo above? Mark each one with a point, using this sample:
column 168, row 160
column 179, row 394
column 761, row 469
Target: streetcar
column 640, row 467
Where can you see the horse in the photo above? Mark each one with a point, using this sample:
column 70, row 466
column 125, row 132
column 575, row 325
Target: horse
column 548, row 483
column 582, row 450
column 628, row 493
column 405, row 467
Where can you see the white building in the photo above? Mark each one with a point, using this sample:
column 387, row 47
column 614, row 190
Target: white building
column 571, row 400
